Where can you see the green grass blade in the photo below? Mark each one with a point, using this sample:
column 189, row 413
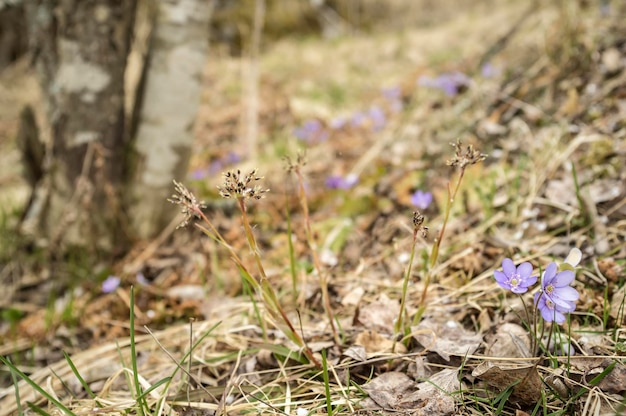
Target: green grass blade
column 133, row 356
column 292, row 255
column 503, row 397
column 36, row 386
column 20, row 411
column 329, row 405
column 38, row 409
column 169, row 379
column 80, row 378
column 156, row 386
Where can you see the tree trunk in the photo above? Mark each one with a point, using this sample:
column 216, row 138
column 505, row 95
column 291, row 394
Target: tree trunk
column 12, row 32
column 171, row 96
column 81, row 47
column 103, row 185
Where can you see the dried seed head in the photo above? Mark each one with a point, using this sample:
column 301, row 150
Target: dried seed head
column 465, row 156
column 237, row 186
column 191, row 207
column 418, row 224
column 298, row 164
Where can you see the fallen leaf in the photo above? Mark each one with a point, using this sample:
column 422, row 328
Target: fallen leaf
column 510, row 340
column 379, row 315
column 374, row 343
column 356, row 352
column 502, row 375
column 615, row 381
column 618, row 302
column 396, row 391
column 446, row 338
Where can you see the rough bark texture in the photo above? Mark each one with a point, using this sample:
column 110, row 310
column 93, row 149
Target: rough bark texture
column 12, row 32
column 171, row 96
column 81, row 47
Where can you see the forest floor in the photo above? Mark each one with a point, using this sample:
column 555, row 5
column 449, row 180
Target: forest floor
column 345, row 303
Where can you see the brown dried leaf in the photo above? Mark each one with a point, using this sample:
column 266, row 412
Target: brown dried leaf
column 618, row 305
column 604, row 190
column 395, row 390
column 501, row 375
column 510, row 340
column 615, row 381
column 379, row 315
column 356, row 352
column 374, row 343
column 446, row 339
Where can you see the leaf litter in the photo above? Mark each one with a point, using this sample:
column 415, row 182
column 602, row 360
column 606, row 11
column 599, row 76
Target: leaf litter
column 542, row 113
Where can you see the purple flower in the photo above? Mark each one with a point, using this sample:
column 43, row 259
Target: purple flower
column 393, row 95
column 489, row 70
column 517, row 280
column 311, row 131
column 557, row 297
column 198, row 174
column 340, row 182
column 141, row 279
column 338, row 123
column 231, row 158
column 358, row 119
column 110, row 284
column 377, row 116
column 215, row 167
column 421, row 199
column 449, row 82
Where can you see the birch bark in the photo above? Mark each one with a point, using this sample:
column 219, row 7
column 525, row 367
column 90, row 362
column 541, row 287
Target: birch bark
column 81, row 48
column 171, row 96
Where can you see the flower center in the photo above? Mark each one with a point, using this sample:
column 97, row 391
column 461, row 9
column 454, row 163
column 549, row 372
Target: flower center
column 549, row 304
column 549, row 289
column 514, row 280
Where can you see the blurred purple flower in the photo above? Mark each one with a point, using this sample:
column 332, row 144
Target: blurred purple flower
column 341, row 182
column 198, row 174
column 141, row 279
column 421, row 199
column 393, row 95
column 311, row 131
column 338, row 123
column 516, row 279
column 449, row 82
column 377, row 116
column 110, row 284
column 557, row 297
column 358, row 119
column 231, row 158
column 489, row 70
column 215, row 167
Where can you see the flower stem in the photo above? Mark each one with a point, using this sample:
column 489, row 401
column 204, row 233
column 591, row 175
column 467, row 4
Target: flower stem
column 323, row 278
column 399, row 326
column 434, row 254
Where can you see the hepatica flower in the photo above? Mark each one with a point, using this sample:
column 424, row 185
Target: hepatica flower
column 557, row 297
column 341, row 182
column 489, row 70
column 377, row 117
column 311, row 131
column 449, row 82
column 516, row 279
column 421, row 199
column 110, row 284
